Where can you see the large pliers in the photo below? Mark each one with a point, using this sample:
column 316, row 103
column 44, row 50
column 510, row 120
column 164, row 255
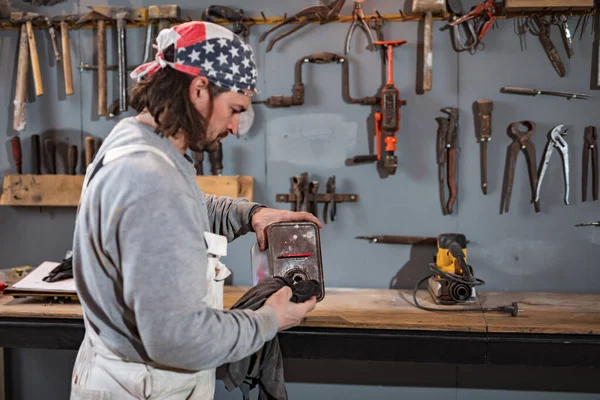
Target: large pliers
column 485, row 10
column 557, row 141
column 358, row 19
column 520, row 143
column 446, row 157
column 590, row 145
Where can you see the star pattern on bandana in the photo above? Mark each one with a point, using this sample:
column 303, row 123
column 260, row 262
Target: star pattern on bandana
column 230, row 62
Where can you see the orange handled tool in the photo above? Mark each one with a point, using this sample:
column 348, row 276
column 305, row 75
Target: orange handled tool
column 17, row 154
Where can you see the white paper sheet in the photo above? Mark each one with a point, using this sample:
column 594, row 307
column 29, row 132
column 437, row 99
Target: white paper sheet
column 34, row 280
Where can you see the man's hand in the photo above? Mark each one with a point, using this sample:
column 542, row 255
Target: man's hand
column 266, row 216
column 289, row 314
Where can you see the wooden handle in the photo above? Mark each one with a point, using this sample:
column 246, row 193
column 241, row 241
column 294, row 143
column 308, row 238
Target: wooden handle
column 427, row 52
column 102, row 97
column 90, row 147
column 72, row 159
column 50, row 155
column 35, row 154
column 35, row 61
column 21, row 85
column 66, row 48
column 17, row 153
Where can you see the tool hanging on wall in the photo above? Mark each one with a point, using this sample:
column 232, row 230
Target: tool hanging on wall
column 536, row 92
column 483, row 125
column 64, row 21
column 215, row 157
column 540, row 26
column 590, row 149
column 100, row 21
column 72, row 158
column 472, row 40
column 394, row 239
column 90, row 150
column 358, row 20
column 485, row 11
column 387, row 120
column 231, row 15
column 446, row 157
column 297, row 98
column 36, row 155
column 304, row 196
column 159, row 18
column 428, row 7
column 557, row 141
column 17, row 153
column 453, row 281
column 323, row 14
column 521, row 142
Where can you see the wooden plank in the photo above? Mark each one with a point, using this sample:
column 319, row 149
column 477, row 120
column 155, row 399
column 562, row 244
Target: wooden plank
column 341, row 308
column 537, row 5
column 64, row 190
column 552, row 313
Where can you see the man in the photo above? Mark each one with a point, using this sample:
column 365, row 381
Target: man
column 147, row 240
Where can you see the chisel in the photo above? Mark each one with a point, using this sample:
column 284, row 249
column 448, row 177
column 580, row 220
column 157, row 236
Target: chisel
column 35, row 154
column 72, row 159
column 90, row 147
column 17, row 154
column 49, row 155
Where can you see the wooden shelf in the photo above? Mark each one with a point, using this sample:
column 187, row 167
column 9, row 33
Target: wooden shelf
column 64, row 190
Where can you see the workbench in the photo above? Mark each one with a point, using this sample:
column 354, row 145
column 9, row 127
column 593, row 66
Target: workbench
column 553, row 329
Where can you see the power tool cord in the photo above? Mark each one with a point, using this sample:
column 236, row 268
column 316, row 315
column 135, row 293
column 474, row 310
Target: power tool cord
column 513, row 309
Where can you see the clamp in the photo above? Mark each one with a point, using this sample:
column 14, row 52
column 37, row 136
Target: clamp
column 522, row 143
column 358, row 19
column 556, row 140
column 590, row 146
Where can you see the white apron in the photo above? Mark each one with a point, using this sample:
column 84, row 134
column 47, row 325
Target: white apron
column 101, row 374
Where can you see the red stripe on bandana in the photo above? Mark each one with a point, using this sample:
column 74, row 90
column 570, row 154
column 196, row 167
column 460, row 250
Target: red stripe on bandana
column 187, row 69
column 190, row 34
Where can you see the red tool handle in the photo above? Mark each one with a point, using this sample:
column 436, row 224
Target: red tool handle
column 378, row 134
column 17, row 154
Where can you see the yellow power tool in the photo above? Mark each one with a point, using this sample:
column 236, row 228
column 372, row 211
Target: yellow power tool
column 453, row 281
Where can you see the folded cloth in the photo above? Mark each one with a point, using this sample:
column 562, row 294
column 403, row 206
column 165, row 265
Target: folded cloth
column 265, row 367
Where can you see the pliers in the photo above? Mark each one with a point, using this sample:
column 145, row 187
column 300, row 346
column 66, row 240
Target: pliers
column 486, row 10
column 590, row 145
column 520, row 142
column 556, row 140
column 358, row 19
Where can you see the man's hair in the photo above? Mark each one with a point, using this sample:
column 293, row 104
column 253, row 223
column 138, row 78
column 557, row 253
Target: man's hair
column 165, row 94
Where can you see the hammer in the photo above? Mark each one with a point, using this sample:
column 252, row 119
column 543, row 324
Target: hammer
column 122, row 15
column 164, row 15
column 101, row 42
column 27, row 20
column 64, row 21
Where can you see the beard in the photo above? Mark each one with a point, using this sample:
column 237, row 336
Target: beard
column 196, row 144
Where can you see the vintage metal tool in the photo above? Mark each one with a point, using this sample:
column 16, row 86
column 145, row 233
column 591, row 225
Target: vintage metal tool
column 17, row 153
column 331, row 202
column 484, row 133
column 122, row 15
column 590, row 148
column 235, row 16
column 36, row 155
column 520, row 143
column 64, row 21
column 394, row 239
column 452, row 280
column 561, row 21
column 28, row 20
column 428, row 7
column 358, row 19
column 323, row 14
column 52, row 32
column 100, row 21
column 303, row 195
column 164, row 15
column 50, row 155
column 446, row 157
column 387, row 121
column 472, row 40
column 536, row 92
column 297, row 97
column 540, row 26
column 294, row 252
column 215, row 158
column 486, row 11
column 19, row 116
column 555, row 140
column 90, row 150
column 596, row 224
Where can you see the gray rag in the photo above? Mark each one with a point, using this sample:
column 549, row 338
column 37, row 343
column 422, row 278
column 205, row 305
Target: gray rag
column 265, row 367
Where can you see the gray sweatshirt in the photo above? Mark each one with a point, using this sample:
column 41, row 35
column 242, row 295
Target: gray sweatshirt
column 140, row 259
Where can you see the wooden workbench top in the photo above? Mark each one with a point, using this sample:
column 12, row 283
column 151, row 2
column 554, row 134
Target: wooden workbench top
column 549, row 313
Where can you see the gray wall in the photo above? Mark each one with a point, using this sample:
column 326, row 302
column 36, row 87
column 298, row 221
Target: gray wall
column 520, row 250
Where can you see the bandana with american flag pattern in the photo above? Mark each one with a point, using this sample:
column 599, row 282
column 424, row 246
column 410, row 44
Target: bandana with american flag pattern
column 208, row 49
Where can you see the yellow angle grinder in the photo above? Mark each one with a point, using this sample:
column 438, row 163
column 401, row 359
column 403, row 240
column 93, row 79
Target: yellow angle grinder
column 453, row 280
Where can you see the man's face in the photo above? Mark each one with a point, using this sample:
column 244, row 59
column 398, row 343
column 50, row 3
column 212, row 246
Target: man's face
column 225, row 118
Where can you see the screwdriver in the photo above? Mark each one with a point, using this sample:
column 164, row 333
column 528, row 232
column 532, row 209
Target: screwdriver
column 72, row 159
column 17, row 154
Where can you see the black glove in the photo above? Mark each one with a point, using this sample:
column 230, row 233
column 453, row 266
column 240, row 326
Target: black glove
column 62, row 271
